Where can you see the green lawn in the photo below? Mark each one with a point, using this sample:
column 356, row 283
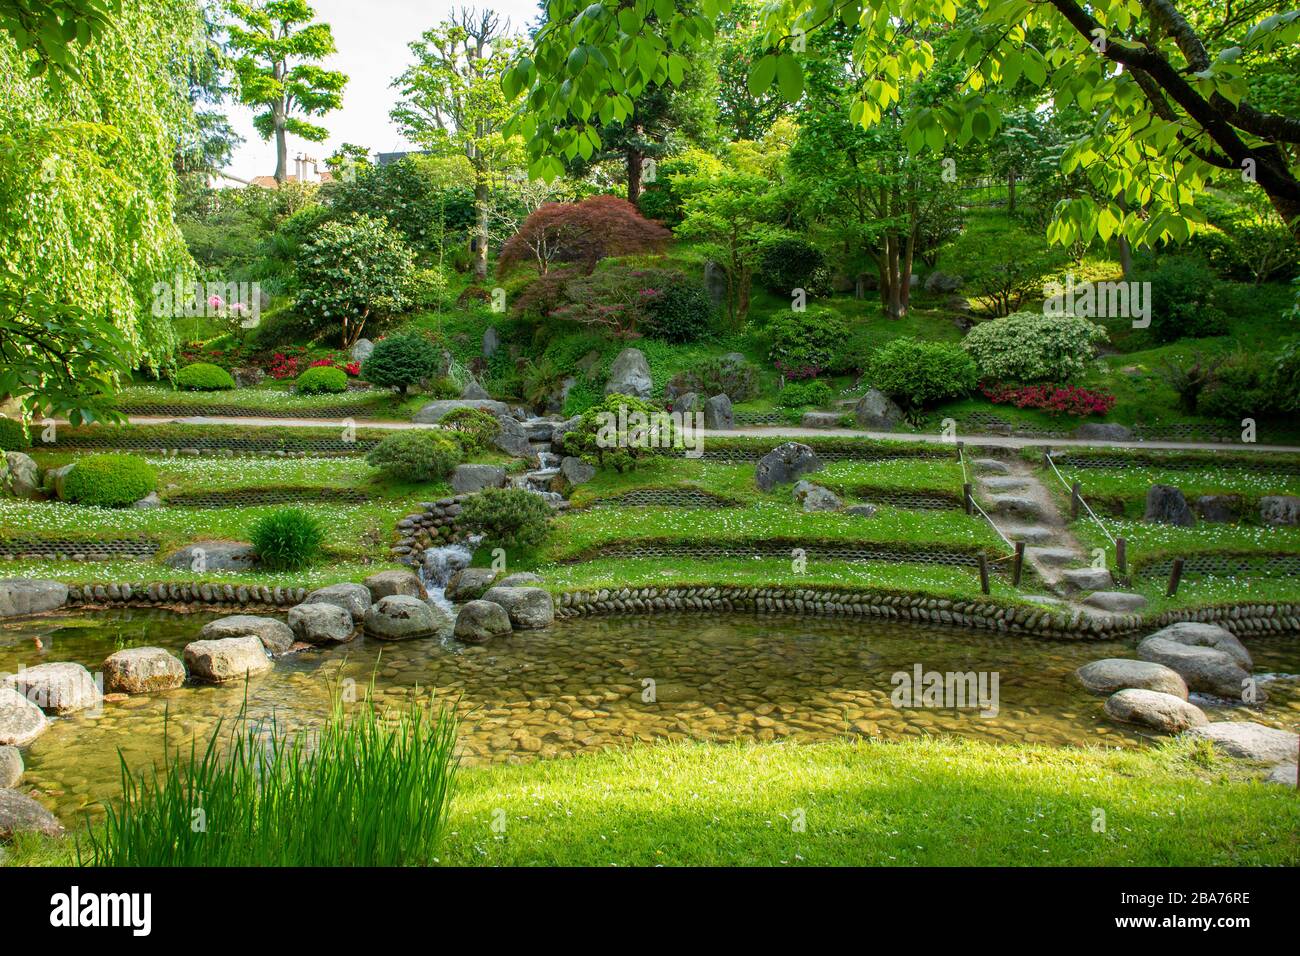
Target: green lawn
column 277, row 397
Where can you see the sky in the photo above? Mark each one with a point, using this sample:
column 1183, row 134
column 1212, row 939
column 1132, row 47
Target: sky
column 371, row 36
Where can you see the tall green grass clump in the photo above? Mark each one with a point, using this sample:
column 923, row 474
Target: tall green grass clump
column 287, row 539
column 367, row 789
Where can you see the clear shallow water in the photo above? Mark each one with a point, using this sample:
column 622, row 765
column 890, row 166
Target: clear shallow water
column 579, row 686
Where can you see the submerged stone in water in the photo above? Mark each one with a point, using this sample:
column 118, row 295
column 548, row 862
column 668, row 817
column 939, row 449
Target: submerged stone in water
column 57, row 688
column 21, row 721
column 399, row 617
column 143, row 670
column 479, row 621
column 228, row 659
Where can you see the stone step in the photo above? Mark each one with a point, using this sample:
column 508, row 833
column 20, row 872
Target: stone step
column 1054, row 557
column 1119, row 602
column 990, row 466
column 1030, row 533
column 1087, row 579
column 1015, row 505
column 1005, row 483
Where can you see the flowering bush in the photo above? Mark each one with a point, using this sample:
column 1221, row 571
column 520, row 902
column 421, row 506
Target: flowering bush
column 1053, row 399
column 1032, row 347
column 284, row 366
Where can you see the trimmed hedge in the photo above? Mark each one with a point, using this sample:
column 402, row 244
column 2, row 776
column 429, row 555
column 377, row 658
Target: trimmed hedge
column 322, row 379
column 418, row 455
column 204, row 377
column 109, row 481
column 14, row 436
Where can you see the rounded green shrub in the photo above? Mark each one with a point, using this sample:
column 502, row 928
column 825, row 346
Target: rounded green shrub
column 322, row 380
column 204, row 377
column 13, row 435
column 417, row 455
column 109, row 481
column 287, row 539
column 1182, row 300
column 472, row 427
column 400, row 361
column 786, row 263
column 678, row 312
column 805, row 343
column 507, row 517
column 799, row 394
column 916, row 374
column 618, row 432
column 1032, row 347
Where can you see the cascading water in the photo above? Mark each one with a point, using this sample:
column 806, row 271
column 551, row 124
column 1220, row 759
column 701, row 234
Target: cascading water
column 439, row 564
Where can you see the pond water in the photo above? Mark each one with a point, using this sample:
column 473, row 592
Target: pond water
column 582, row 685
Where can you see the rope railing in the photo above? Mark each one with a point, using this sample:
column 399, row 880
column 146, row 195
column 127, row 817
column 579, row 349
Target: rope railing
column 1017, row 556
column 1077, row 500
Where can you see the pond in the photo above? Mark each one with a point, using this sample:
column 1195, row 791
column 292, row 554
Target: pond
column 585, row 684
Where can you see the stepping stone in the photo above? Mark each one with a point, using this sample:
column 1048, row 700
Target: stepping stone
column 1119, row 602
column 1015, row 505
column 1055, row 557
column 1150, row 708
column 990, row 466
column 1005, row 483
column 1204, row 669
column 1087, row 579
column 1029, row 533
column 1244, row 738
column 1195, row 634
column 1113, row 674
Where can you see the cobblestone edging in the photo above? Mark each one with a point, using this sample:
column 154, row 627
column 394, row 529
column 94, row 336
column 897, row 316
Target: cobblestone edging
column 985, row 615
column 201, row 593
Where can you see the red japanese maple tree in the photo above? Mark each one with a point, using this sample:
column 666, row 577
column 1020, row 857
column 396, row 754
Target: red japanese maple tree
column 582, row 233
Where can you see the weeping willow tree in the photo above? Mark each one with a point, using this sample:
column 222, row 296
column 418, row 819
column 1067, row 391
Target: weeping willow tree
column 87, row 189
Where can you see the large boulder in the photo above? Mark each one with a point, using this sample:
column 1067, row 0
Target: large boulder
column 61, row 688
column 204, row 556
column 491, row 341
column 11, row 766
column 821, row 420
column 576, row 471
column 630, row 375
column 1195, row 634
column 321, row 623
column 687, row 403
column 1163, row 712
column 28, row 596
column 942, row 282
column 474, row 391
column 1279, row 510
column 400, row 617
column 55, row 480
column 877, row 412
column 1103, row 431
column 275, row 635
column 227, row 659
column 19, row 813
column 1167, row 505
column 718, row 414
column 433, row 412
column 715, row 283
column 397, row 581
column 1112, row 674
column 353, row 598
column 786, row 464
column 520, row 579
column 466, row 479
column 361, row 350
column 20, row 477
column 1244, row 738
column 21, row 721
column 512, row 438
column 813, row 497
column 480, row 621
column 468, row 583
column 143, row 670
column 1202, row 668
column 528, row 608
column 1222, row 509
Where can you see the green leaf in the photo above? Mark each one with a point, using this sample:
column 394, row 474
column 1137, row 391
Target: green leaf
column 761, row 75
column 789, row 77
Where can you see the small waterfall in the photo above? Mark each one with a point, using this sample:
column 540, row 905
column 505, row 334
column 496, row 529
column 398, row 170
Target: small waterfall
column 439, row 564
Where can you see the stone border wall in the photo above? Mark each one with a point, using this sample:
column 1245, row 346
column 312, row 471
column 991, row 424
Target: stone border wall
column 216, row 594
column 664, row 498
column 437, row 523
column 908, row 500
column 196, row 447
column 984, row 615
column 1174, row 463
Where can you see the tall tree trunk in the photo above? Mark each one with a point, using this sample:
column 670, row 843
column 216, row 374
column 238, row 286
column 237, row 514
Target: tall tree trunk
column 893, row 301
column 1011, row 191
column 635, row 163
column 481, row 228
column 281, row 145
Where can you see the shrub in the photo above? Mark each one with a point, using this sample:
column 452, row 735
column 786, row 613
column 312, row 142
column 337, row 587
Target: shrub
column 1053, row 399
column 583, row 232
column 472, row 427
column 507, row 517
column 322, row 379
column 416, row 455
column 1236, row 389
column 1032, row 347
column 804, row 343
column 786, row 263
column 916, row 374
column 204, row 377
column 109, row 481
column 1182, row 300
column 1283, row 382
column 400, row 361
column 719, row 376
column 444, row 387
column 1190, row 378
column 13, row 435
column 614, row 433
column 287, row 539
column 679, row 311
column 798, row 394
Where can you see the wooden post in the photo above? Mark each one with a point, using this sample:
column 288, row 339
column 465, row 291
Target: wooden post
column 1175, row 576
column 961, row 455
column 966, row 499
column 984, row 574
column 1121, row 555
column 1019, row 565
column 1047, row 459
column 1074, row 501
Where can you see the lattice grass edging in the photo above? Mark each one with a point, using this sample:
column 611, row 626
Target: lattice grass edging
column 985, row 615
column 77, row 549
column 246, row 497
column 823, row 551
column 664, row 498
column 216, row 445
column 824, row 452
column 1223, row 564
column 1275, row 466
column 909, row 500
column 218, row 410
